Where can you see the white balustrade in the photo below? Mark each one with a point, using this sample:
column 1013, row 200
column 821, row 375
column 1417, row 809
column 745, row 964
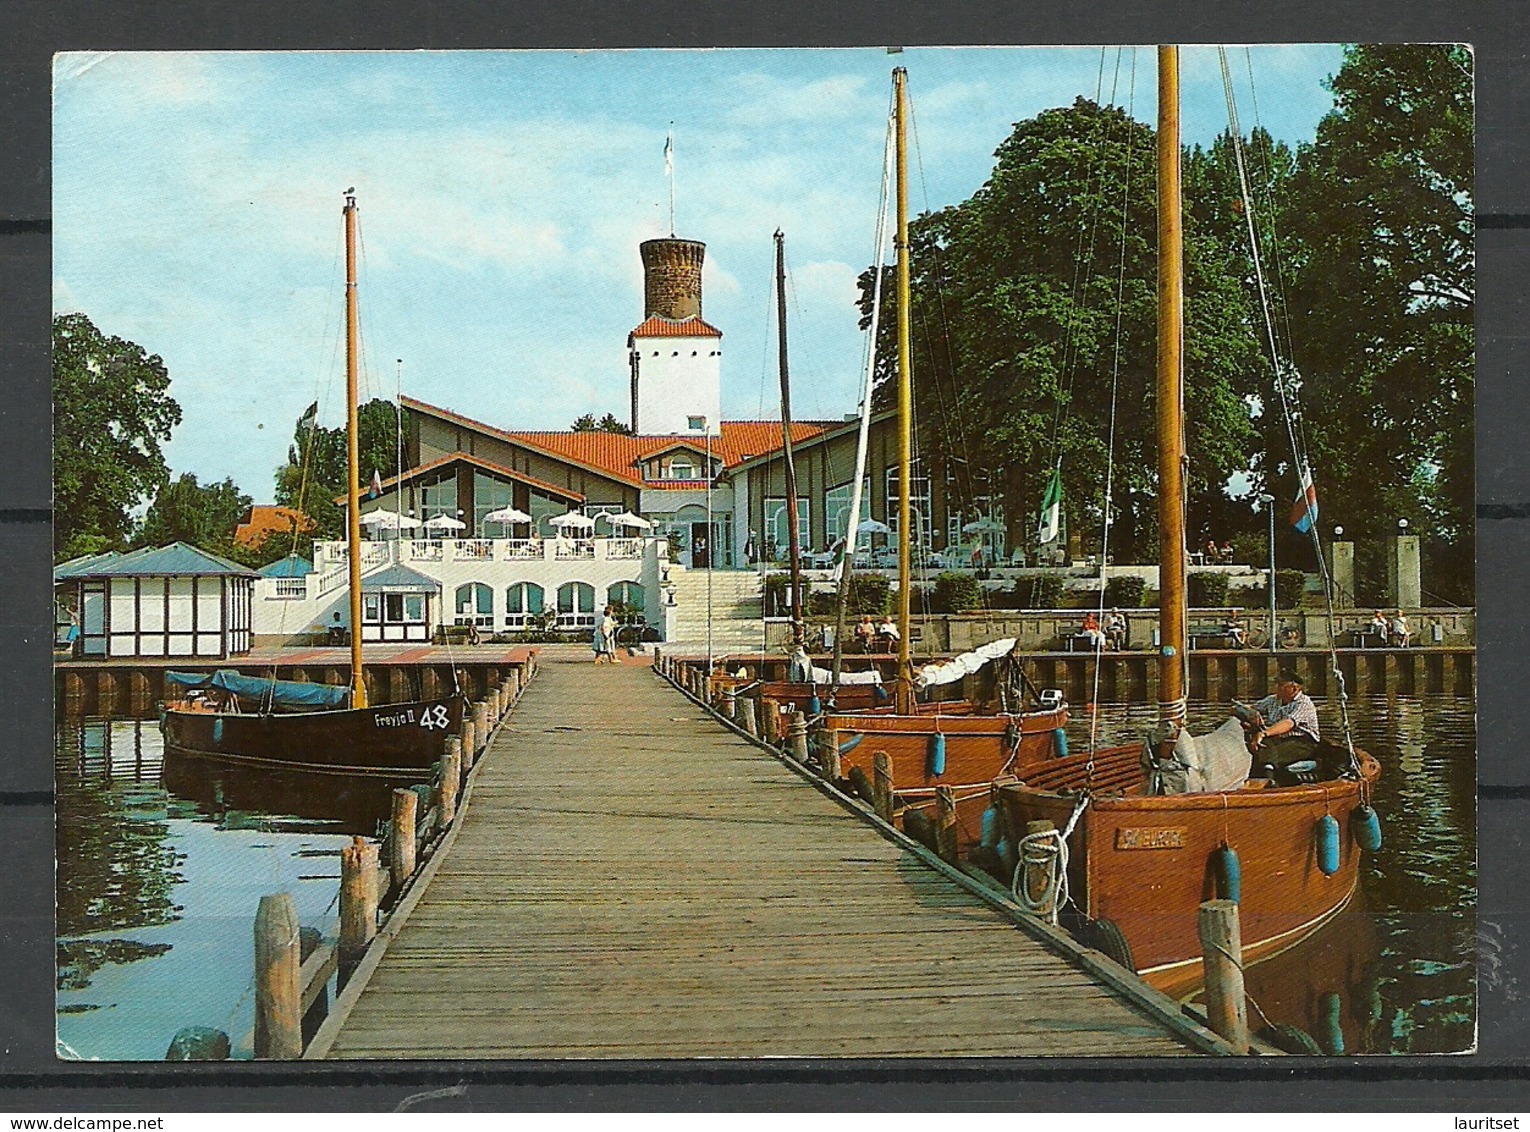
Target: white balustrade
column 424, row 550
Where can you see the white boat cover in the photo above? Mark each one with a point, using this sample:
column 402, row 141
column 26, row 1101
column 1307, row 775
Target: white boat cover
column 1206, row 763
column 823, row 676
column 966, row 664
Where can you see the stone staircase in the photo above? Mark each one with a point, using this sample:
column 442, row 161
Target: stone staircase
column 736, row 607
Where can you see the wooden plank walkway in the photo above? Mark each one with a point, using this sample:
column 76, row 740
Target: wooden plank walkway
column 630, row 880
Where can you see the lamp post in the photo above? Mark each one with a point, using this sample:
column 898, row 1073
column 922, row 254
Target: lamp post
column 707, row 437
column 1268, row 502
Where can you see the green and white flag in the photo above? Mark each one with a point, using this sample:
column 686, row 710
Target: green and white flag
column 1051, row 509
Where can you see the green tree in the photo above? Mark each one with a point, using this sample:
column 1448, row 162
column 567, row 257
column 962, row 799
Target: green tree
column 607, row 423
column 204, row 516
column 112, row 411
column 1037, row 295
column 314, row 476
column 1383, row 303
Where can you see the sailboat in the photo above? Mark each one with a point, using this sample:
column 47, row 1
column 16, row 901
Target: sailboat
column 1136, row 863
column 325, row 729
column 938, row 743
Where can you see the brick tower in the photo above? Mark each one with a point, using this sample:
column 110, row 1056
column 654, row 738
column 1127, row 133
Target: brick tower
column 675, row 357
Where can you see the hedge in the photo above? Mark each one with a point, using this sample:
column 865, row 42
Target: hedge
column 1125, row 591
column 956, row 593
column 1045, row 591
column 1208, row 590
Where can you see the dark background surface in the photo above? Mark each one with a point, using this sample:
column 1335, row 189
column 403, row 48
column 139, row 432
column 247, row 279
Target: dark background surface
column 31, row 1079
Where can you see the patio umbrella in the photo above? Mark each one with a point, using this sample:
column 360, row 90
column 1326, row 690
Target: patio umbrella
column 572, row 519
column 507, row 515
column 628, row 519
column 872, row 527
column 382, row 517
column 984, row 524
column 445, row 523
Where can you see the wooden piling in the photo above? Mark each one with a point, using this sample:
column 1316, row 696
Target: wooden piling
column 1222, row 965
column 358, row 898
column 451, row 780
column 278, row 995
column 1038, row 874
column 480, row 722
column 748, row 718
column 493, row 707
column 405, row 806
column 945, row 824
column 729, row 702
column 882, row 785
column 828, row 754
column 469, row 743
column 797, row 736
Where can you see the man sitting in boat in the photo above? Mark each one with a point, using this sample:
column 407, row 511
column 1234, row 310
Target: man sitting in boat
column 1283, row 728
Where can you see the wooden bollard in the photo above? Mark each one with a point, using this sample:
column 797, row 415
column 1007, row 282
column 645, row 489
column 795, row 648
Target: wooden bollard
column 797, row 736
column 945, row 824
column 278, row 997
column 405, row 805
column 491, row 705
column 828, row 754
column 882, row 785
column 1222, row 969
column 747, row 717
column 770, row 721
column 451, row 780
column 481, row 723
column 1038, row 875
column 469, row 743
column 729, row 702
column 358, row 898
column 454, row 745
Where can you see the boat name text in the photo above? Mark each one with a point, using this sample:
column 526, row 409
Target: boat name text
column 1150, row 838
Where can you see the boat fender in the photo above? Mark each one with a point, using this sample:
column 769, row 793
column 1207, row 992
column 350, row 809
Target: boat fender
column 1060, row 743
column 218, row 730
column 814, row 705
column 918, row 826
column 1006, row 851
column 1292, row 1039
column 937, row 755
column 849, row 745
column 1365, row 824
column 860, row 785
column 1327, row 833
column 879, row 694
column 1330, row 1028
column 1011, row 735
column 1228, row 871
column 990, row 834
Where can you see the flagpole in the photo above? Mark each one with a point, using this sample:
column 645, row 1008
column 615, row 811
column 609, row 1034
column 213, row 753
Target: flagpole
column 669, row 168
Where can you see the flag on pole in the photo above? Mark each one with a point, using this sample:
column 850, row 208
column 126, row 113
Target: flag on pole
column 376, row 489
column 309, row 414
column 669, row 154
column 1051, row 509
column 1305, row 512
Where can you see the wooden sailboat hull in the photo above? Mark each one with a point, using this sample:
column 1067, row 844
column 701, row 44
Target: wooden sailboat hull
column 979, row 748
column 1146, row 862
column 394, row 742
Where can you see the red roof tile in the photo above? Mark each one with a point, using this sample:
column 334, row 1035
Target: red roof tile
column 618, row 456
column 658, row 327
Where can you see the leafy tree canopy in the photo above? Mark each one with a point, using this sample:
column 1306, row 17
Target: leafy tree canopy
column 316, row 468
column 204, row 516
column 112, row 411
column 607, row 423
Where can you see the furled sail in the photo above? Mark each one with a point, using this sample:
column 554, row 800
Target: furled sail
column 966, row 664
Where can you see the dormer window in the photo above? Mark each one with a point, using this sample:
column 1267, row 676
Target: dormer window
column 681, row 468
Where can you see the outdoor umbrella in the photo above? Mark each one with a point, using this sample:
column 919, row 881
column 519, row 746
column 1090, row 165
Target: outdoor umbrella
column 445, row 523
column 628, row 519
column 507, row 515
column 984, row 524
column 572, row 519
column 382, row 517
column 872, row 527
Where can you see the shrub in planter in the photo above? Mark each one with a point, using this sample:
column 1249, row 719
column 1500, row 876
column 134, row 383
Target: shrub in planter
column 869, row 594
column 956, row 592
column 1125, row 591
column 821, row 603
column 1208, row 590
column 1289, row 587
column 1044, row 591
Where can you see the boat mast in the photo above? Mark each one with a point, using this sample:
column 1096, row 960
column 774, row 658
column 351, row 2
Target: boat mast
column 353, row 456
column 793, row 536
column 905, row 688
column 1172, row 611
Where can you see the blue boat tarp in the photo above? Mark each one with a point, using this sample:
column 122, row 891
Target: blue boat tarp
column 289, row 694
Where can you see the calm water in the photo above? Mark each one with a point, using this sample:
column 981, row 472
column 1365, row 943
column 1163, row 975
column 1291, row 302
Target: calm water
column 160, row 869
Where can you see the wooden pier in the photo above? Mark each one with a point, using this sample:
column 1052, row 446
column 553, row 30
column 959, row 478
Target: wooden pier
column 629, row 880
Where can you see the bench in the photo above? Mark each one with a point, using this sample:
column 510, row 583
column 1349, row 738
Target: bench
column 1218, row 633
column 1077, row 642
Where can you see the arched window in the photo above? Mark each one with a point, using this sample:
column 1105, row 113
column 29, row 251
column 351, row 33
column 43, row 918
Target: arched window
column 523, row 605
column 475, row 605
column 626, row 598
column 576, row 605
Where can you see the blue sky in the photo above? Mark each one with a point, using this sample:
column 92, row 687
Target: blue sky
column 503, row 195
